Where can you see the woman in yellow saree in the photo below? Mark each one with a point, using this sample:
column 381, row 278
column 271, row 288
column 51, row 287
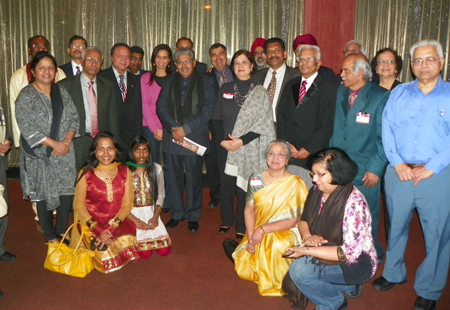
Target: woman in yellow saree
column 275, row 200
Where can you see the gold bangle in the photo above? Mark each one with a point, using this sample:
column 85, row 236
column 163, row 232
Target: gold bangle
column 262, row 228
column 93, row 225
column 341, row 254
column 117, row 220
column 89, row 222
column 113, row 223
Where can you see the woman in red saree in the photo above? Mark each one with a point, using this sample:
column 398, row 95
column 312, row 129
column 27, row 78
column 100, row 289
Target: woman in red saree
column 103, row 200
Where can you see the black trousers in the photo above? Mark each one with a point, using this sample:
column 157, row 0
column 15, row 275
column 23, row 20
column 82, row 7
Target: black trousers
column 212, row 171
column 176, row 166
column 62, row 217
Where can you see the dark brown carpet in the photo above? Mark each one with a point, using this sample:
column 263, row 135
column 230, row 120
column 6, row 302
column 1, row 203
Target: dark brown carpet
column 196, row 275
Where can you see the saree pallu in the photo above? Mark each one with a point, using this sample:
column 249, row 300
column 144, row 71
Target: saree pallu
column 279, row 201
column 148, row 240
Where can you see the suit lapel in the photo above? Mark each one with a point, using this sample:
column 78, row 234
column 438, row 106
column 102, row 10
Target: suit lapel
column 296, row 93
column 311, row 91
column 362, row 99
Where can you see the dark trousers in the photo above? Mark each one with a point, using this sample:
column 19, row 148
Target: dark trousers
column 62, row 217
column 228, row 190
column 155, row 145
column 81, row 147
column 212, row 171
column 192, row 165
column 3, row 220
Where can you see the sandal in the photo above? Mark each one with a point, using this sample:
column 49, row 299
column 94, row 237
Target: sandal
column 223, row 229
column 239, row 236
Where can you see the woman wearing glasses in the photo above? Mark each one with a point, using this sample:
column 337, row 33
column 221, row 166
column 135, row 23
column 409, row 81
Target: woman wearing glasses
column 386, row 66
column 338, row 253
column 243, row 119
column 275, row 200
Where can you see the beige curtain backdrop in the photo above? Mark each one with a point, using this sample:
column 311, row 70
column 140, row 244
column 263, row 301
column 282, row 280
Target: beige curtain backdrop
column 401, row 23
column 144, row 23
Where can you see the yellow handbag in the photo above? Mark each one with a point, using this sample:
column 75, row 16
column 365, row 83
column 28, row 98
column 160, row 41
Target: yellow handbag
column 72, row 262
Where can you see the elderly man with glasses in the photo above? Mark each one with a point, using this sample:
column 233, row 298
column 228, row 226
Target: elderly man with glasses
column 77, row 44
column 416, row 124
column 306, row 111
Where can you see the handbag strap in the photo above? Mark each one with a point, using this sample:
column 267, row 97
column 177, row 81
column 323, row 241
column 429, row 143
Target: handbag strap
column 62, row 243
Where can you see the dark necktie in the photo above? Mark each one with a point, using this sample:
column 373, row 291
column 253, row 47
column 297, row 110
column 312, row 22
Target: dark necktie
column 302, row 91
column 123, row 88
column 272, row 86
column 93, row 110
column 223, row 78
column 78, row 70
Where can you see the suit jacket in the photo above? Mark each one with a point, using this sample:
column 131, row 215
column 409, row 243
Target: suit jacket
column 309, row 124
column 362, row 142
column 130, row 111
column 195, row 127
column 67, row 68
column 290, row 73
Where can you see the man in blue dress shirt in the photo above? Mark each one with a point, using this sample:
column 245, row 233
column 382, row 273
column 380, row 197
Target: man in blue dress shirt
column 416, row 139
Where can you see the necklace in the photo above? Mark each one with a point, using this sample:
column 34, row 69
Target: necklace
column 104, row 177
column 238, row 97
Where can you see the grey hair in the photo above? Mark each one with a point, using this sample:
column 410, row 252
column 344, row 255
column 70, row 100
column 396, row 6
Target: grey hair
column 310, row 47
column 91, row 48
column 283, row 143
column 362, row 64
column 434, row 43
column 184, row 51
column 361, row 47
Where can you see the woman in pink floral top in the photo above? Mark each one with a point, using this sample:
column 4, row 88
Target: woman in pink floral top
column 338, row 252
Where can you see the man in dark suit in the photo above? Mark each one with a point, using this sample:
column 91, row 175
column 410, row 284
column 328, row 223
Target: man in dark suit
column 306, row 112
column 278, row 74
column 185, row 42
column 357, row 130
column 127, row 91
column 220, row 74
column 185, row 106
column 77, row 44
column 137, row 55
column 104, row 103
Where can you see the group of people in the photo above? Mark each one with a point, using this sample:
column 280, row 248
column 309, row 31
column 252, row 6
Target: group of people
column 267, row 133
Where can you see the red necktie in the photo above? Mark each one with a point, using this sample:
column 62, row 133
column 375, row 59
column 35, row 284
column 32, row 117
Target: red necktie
column 302, row 91
column 92, row 98
column 351, row 100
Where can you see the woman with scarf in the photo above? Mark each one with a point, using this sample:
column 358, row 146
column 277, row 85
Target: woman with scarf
column 338, row 252
column 103, row 200
column 48, row 121
column 275, row 200
column 243, row 118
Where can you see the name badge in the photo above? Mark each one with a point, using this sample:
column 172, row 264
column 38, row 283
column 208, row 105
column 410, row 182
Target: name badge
column 362, row 118
column 256, row 182
column 228, row 95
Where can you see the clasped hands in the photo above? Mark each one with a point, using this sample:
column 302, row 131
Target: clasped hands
column 178, row 134
column 4, row 147
column 405, row 173
column 298, row 154
column 152, row 224
column 232, row 144
column 255, row 239
column 311, row 241
column 60, row 148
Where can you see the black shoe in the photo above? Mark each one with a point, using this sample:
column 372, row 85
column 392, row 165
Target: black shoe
column 343, row 306
column 229, row 246
column 223, row 229
column 193, row 226
column 7, row 257
column 66, row 241
column 1, row 294
column 424, row 304
column 213, row 204
column 165, row 210
column 382, row 284
column 356, row 293
column 239, row 236
column 173, row 223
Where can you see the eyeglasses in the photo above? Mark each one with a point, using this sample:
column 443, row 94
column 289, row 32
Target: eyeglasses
column 186, row 62
column 45, row 46
column 306, row 59
column 274, row 51
column 279, row 155
column 79, row 46
column 319, row 174
column 90, row 59
column 135, row 58
column 385, row 62
column 428, row 61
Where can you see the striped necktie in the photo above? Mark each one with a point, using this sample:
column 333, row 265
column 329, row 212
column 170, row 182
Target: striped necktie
column 302, row 91
column 123, row 88
column 93, row 109
column 352, row 99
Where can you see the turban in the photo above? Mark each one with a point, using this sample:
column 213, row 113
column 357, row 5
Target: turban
column 258, row 42
column 306, row 39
